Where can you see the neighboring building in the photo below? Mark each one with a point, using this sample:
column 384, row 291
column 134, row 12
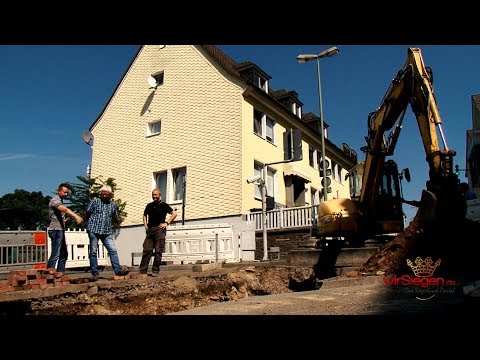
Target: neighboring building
column 214, row 123
column 473, row 148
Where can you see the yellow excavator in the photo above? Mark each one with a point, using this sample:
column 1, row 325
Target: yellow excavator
column 375, row 207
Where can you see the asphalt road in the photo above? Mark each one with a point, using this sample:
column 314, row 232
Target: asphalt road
column 373, row 297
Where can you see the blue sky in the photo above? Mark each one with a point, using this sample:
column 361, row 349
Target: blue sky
column 51, row 94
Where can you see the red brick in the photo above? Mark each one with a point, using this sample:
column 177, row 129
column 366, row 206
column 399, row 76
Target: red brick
column 6, row 289
column 37, row 281
column 31, row 272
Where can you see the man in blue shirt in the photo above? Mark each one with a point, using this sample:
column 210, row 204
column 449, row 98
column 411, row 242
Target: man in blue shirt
column 100, row 213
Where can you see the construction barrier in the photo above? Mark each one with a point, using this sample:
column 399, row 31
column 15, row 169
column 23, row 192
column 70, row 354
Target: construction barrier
column 186, row 244
column 78, row 246
column 20, row 250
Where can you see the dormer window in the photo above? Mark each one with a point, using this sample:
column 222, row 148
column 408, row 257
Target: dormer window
column 288, row 99
column 257, row 76
column 296, row 109
column 261, row 83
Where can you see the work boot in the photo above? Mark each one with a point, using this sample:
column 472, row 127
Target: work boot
column 124, row 271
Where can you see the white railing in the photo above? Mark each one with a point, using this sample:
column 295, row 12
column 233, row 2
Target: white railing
column 285, row 218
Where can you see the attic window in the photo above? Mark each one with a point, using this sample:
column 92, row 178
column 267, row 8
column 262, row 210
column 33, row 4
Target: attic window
column 261, row 83
column 154, row 128
column 297, row 109
column 159, row 78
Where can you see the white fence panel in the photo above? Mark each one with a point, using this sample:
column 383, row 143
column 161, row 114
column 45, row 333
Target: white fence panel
column 285, row 218
column 192, row 243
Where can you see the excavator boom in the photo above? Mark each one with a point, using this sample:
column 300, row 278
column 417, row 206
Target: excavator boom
column 413, row 86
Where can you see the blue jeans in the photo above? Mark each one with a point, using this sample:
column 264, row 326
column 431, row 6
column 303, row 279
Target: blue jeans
column 59, row 250
column 109, row 244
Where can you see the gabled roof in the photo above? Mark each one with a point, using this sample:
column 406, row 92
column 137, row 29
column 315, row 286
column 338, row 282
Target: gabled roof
column 310, row 117
column 283, row 94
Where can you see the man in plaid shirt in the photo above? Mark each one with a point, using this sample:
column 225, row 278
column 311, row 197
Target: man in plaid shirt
column 100, row 213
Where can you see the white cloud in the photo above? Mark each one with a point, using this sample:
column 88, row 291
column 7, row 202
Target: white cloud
column 15, row 156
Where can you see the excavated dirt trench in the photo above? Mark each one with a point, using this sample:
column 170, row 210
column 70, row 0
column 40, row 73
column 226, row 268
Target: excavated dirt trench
column 173, row 295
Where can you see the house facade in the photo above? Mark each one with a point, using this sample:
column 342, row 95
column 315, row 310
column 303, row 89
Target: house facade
column 472, row 160
column 192, row 121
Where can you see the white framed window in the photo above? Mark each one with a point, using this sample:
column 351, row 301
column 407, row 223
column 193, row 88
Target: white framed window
column 269, row 130
column 257, row 122
column 334, row 170
column 178, row 177
column 314, row 196
column 339, row 172
column 258, row 170
column 154, row 128
column 270, row 181
column 160, row 181
column 264, row 126
column 313, row 156
column 320, row 162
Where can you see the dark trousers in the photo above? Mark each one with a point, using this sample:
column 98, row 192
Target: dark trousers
column 155, row 239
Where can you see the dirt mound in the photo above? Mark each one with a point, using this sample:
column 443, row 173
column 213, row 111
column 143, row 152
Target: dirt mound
column 453, row 243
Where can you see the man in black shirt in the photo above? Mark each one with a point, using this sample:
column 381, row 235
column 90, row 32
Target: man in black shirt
column 156, row 228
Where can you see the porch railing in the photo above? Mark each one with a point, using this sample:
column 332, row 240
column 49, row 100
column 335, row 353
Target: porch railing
column 285, row 218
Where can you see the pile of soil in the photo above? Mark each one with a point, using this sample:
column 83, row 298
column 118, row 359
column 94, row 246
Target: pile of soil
column 453, row 243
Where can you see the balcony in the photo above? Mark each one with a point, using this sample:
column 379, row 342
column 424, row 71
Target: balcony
column 285, row 218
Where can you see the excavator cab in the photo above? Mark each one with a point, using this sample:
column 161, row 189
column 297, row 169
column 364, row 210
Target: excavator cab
column 388, row 197
column 385, row 206
column 389, row 204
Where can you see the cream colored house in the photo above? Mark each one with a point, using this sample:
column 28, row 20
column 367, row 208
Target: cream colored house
column 214, row 123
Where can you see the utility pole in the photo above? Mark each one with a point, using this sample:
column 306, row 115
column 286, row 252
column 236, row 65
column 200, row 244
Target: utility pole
column 263, row 186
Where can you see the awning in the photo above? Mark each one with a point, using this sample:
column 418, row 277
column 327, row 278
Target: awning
column 293, row 170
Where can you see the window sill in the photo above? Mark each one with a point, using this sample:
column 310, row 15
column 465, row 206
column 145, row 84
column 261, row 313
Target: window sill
column 152, row 135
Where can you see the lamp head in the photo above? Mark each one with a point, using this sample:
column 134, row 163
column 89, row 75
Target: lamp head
column 329, row 52
column 303, row 58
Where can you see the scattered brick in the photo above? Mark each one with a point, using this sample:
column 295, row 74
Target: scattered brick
column 6, row 289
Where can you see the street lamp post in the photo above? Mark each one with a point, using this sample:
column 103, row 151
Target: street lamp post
column 303, row 58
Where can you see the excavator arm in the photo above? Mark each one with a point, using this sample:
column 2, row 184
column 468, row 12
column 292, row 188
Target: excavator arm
column 412, row 85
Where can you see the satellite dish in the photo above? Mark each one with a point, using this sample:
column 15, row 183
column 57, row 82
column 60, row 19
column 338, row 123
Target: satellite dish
column 152, row 82
column 88, row 138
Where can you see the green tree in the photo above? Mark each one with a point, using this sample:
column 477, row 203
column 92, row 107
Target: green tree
column 25, row 210
column 86, row 190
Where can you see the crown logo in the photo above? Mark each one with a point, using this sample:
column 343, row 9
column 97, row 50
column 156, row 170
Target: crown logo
column 424, row 268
